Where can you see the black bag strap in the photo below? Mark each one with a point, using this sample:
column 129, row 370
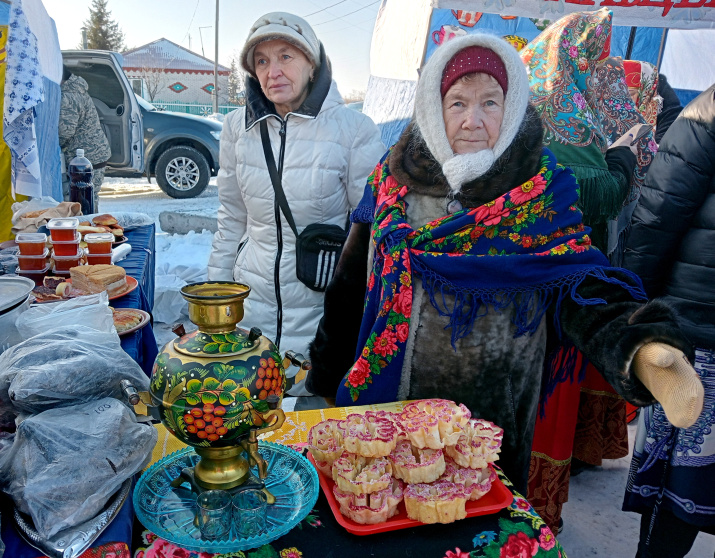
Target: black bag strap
column 275, row 178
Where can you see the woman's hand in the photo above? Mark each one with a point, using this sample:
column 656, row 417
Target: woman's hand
column 631, row 137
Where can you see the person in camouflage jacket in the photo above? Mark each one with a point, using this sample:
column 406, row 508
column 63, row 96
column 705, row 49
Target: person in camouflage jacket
column 79, row 128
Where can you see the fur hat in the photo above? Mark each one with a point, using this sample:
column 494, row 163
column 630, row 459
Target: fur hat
column 284, row 27
column 460, row 169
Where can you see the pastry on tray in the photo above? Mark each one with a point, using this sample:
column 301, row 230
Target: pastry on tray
column 368, row 509
column 431, row 454
column 325, row 443
column 477, row 482
column 125, row 319
column 361, row 475
column 90, row 279
column 478, row 446
column 434, row 423
column 437, row 502
column 369, row 434
column 105, row 219
column 414, row 465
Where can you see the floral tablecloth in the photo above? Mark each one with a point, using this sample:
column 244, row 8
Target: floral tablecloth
column 515, row 532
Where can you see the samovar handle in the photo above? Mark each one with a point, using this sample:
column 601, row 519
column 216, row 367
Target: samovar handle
column 273, row 411
column 296, row 359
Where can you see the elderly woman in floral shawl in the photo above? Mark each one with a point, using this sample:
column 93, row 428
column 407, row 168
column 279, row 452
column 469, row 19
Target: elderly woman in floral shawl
column 477, row 259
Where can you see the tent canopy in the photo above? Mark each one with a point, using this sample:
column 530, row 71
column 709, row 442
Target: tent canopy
column 407, row 32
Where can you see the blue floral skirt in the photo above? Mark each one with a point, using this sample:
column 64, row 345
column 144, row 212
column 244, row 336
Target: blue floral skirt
column 677, row 465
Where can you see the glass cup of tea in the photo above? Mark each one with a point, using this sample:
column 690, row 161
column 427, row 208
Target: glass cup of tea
column 214, row 514
column 249, row 513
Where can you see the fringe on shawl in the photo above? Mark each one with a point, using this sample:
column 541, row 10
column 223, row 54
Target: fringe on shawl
column 530, row 303
column 600, row 194
column 530, row 307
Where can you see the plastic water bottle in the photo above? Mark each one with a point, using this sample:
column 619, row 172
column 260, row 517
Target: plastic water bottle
column 81, row 190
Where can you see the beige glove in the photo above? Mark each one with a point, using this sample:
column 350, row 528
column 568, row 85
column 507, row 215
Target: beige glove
column 667, row 374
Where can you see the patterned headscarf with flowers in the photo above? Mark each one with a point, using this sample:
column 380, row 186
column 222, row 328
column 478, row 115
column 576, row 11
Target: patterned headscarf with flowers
column 527, row 249
column 642, row 82
column 581, row 95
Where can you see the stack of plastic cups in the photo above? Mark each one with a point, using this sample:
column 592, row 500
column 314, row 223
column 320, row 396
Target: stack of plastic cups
column 32, row 261
column 100, row 248
column 65, row 239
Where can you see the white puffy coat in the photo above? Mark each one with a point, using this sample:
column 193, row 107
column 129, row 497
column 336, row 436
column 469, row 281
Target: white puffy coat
column 327, row 160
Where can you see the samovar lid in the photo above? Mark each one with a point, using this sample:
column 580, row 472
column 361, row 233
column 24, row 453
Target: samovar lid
column 211, row 345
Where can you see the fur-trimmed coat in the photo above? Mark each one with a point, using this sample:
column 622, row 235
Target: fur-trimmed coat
column 497, row 376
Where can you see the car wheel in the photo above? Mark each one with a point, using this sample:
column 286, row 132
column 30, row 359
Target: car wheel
column 182, row 172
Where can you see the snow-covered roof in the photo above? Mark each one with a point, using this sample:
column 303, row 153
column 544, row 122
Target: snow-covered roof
column 166, row 55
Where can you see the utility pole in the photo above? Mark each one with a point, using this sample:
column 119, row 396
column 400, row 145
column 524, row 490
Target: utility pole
column 84, row 38
column 215, row 91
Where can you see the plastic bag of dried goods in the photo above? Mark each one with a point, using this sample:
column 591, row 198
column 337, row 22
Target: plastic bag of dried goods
column 67, row 463
column 67, row 366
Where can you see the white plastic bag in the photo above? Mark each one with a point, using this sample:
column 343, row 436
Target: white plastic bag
column 90, row 311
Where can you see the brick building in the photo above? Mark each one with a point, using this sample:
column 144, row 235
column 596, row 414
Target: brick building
column 171, row 76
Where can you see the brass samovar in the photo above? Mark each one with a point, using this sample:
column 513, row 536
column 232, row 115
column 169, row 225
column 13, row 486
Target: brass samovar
column 218, row 388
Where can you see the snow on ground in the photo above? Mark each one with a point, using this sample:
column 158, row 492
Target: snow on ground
column 136, row 194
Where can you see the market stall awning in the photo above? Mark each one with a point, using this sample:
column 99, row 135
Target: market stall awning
column 674, row 14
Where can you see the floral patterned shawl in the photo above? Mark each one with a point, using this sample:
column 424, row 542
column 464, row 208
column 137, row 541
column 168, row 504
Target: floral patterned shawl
column 581, row 96
column 642, row 82
column 527, row 249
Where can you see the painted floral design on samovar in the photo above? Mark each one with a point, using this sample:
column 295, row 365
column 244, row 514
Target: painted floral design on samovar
column 218, row 388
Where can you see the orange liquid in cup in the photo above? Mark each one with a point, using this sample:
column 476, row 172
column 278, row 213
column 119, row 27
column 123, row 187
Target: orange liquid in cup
column 94, row 259
column 64, row 264
column 31, row 248
column 63, row 235
column 99, row 247
column 66, row 249
column 32, row 263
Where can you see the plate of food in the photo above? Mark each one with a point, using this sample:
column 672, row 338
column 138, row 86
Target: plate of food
column 86, row 280
column 91, row 279
column 429, row 463
column 129, row 320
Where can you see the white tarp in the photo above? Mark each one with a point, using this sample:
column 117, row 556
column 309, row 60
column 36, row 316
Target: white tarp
column 685, row 61
column 398, row 39
column 674, row 14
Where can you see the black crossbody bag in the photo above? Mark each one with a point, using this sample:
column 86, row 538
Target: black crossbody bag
column 319, row 246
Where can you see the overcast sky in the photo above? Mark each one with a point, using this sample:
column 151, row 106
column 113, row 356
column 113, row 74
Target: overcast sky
column 345, row 28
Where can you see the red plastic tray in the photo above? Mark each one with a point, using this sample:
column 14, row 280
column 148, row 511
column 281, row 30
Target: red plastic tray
column 498, row 498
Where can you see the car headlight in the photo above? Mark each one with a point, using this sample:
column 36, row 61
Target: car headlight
column 216, row 134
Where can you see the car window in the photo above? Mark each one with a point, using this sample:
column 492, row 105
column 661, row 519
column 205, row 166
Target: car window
column 143, row 103
column 103, row 83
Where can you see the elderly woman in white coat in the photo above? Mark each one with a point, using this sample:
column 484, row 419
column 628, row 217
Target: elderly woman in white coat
column 325, row 151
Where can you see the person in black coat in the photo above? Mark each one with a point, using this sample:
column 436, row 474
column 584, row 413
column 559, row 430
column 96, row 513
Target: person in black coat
column 670, row 110
column 671, row 245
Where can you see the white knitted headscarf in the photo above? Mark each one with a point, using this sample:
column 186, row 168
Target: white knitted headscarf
column 461, row 169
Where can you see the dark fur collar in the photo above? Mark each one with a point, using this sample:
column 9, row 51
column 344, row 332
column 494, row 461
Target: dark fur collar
column 412, row 164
